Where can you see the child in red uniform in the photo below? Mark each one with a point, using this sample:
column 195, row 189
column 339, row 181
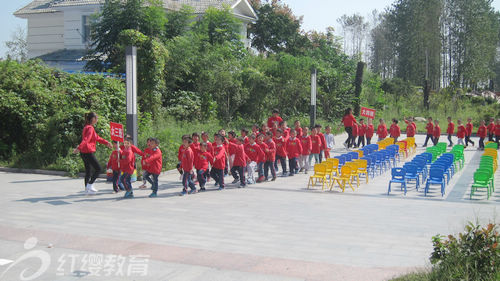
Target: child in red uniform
column 430, row 131
column 468, row 132
column 481, row 133
column 270, row 156
column 253, row 151
column 280, row 142
column 410, row 129
column 153, row 162
column 355, row 133
column 497, row 133
column 262, row 157
column 298, row 129
column 381, row 130
column 361, row 132
column 187, row 164
column 294, row 150
column 244, row 135
column 395, row 130
column 306, row 150
column 127, row 165
column 315, row 147
column 113, row 163
column 274, row 119
column 237, row 150
column 201, row 161
column 219, row 162
column 285, row 130
column 196, row 142
column 437, row 132
column 491, row 129
column 369, row 131
column 323, row 142
column 180, row 151
column 461, row 131
column 450, row 131
column 204, row 138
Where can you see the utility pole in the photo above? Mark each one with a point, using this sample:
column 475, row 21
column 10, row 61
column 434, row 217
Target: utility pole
column 313, row 97
column 131, row 72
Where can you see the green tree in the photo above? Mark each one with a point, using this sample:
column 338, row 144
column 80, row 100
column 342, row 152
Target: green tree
column 178, row 22
column 218, row 26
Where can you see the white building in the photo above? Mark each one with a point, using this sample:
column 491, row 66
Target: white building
column 58, row 30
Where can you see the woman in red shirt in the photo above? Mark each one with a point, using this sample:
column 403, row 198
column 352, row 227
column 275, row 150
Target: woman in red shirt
column 348, row 120
column 87, row 149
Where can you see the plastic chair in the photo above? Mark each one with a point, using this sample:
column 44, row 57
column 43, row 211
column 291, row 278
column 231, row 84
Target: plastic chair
column 363, row 168
column 481, row 180
column 436, row 176
column 343, row 179
column 319, row 175
column 354, row 172
column 412, row 174
column 398, row 176
column 335, row 164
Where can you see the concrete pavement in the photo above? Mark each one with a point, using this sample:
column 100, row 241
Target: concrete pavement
column 270, row 231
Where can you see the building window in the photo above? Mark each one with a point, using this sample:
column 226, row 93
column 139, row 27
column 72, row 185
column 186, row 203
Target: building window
column 86, row 29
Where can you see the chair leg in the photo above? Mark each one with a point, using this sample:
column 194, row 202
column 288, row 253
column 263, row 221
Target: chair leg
column 389, row 189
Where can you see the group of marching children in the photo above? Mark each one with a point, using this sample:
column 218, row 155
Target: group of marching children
column 122, row 162
column 464, row 132
column 259, row 151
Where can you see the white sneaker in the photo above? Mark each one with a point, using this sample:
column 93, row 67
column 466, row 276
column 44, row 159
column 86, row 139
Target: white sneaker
column 91, row 188
column 90, row 192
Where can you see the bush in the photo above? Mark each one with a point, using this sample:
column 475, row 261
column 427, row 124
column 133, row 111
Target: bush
column 473, row 255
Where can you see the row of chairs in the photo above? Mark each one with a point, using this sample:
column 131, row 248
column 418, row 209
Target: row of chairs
column 484, row 177
column 434, row 166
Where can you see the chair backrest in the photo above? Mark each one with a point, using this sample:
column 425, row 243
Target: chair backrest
column 346, row 170
column 341, row 159
column 436, row 173
column 481, row 176
column 428, row 156
column 367, row 159
column 398, row 173
column 348, row 157
column 320, row 168
column 354, row 155
column 362, row 163
column 359, row 152
column 335, row 161
column 411, row 168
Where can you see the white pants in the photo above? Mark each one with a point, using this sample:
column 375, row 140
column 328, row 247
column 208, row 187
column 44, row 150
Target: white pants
column 250, row 170
column 461, row 141
column 304, row 162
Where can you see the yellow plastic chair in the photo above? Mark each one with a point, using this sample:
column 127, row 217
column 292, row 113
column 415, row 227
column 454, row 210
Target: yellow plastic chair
column 343, row 179
column 363, row 168
column 354, row 172
column 318, row 176
column 329, row 170
column 335, row 165
column 412, row 148
column 491, row 151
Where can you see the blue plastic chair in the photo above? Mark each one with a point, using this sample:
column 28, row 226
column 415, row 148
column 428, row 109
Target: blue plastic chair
column 341, row 160
column 369, row 167
column 436, row 176
column 354, row 155
column 428, row 157
column 421, row 167
column 398, row 176
column 348, row 157
column 412, row 174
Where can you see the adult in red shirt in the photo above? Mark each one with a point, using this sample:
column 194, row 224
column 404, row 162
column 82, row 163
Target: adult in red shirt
column 491, row 129
column 437, row 132
column 382, row 130
column 274, row 119
column 450, row 131
column 481, row 133
column 348, row 120
column 430, row 131
column 370, row 130
column 468, row 132
column 87, row 149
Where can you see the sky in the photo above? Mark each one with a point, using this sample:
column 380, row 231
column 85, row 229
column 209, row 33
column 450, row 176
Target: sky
column 318, row 14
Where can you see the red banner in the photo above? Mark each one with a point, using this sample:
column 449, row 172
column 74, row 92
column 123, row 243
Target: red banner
column 368, row 112
column 116, row 131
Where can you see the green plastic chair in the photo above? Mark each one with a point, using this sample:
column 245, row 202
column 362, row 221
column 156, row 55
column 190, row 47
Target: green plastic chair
column 481, row 180
column 491, row 145
column 459, row 157
column 459, row 147
column 489, row 171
